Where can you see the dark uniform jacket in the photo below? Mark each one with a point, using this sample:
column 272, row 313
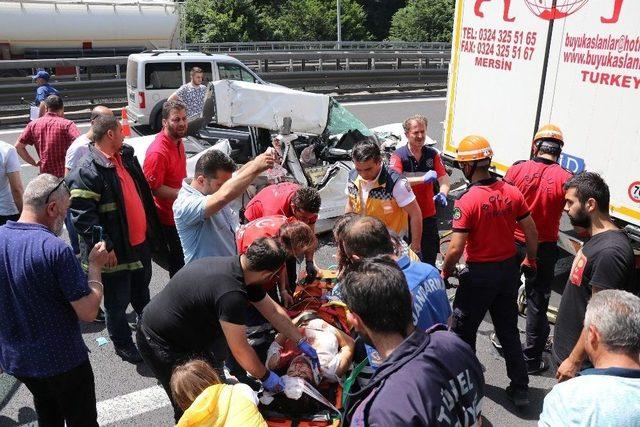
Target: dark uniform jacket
column 96, row 199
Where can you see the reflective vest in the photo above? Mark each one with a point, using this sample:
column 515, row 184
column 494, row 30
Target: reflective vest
column 380, row 204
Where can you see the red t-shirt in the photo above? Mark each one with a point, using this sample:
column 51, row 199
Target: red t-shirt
column 165, row 164
column 488, row 211
column 272, row 200
column 51, row 136
column 541, row 181
column 261, row 227
column 136, row 219
column 403, row 162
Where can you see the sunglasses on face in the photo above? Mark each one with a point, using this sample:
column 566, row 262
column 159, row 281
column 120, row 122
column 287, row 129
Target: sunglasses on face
column 61, row 183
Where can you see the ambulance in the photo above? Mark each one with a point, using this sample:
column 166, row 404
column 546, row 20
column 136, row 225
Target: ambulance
column 517, row 65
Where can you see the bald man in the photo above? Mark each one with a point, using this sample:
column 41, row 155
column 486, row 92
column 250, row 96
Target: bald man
column 80, row 145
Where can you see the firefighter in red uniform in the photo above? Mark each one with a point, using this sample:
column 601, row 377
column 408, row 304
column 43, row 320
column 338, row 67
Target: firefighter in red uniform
column 541, row 180
column 484, row 219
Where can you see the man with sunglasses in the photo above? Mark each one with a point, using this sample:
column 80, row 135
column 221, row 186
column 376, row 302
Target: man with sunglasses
column 108, row 190
column 43, row 294
column 293, row 201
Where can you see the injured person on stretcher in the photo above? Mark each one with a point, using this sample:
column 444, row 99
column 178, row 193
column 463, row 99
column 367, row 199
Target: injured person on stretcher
column 334, row 347
column 335, row 350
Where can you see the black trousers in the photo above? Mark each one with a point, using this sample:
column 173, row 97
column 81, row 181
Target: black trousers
column 493, row 287
column 124, row 288
column 430, row 241
column 430, row 244
column 176, row 256
column 538, row 291
column 162, row 360
column 68, row 397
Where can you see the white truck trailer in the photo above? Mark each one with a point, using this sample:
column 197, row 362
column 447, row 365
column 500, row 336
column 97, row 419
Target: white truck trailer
column 516, row 65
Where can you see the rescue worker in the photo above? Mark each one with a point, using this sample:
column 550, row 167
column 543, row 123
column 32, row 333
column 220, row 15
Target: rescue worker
column 423, row 166
column 293, row 201
column 375, row 190
column 484, row 220
column 541, row 181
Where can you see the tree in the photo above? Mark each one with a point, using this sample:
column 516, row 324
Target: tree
column 313, row 20
column 423, row 21
column 379, row 13
column 221, row 21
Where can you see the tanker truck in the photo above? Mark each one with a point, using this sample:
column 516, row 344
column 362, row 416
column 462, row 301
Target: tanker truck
column 575, row 63
column 36, row 29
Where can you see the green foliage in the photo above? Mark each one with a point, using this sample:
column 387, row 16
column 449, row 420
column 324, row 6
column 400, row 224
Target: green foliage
column 309, row 20
column 423, row 21
column 379, row 13
column 314, row 20
column 221, row 21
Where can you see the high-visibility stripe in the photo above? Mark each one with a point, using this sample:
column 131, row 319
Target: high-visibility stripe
column 85, row 194
column 107, row 207
column 120, row 267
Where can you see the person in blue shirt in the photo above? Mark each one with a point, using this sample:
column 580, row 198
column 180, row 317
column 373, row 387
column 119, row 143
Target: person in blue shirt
column 609, row 393
column 426, row 378
column 43, row 294
column 368, row 237
column 205, row 222
column 44, row 89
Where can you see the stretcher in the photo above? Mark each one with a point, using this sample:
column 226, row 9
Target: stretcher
column 312, row 297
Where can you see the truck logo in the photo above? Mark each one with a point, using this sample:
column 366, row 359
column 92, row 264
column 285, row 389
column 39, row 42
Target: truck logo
column 571, row 163
column 544, row 9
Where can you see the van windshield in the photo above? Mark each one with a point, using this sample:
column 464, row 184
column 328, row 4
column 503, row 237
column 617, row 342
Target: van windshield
column 132, row 74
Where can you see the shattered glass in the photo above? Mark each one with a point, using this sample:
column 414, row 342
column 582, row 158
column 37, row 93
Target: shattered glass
column 342, row 120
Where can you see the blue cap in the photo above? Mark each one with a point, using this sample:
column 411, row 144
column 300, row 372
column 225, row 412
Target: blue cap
column 41, row 74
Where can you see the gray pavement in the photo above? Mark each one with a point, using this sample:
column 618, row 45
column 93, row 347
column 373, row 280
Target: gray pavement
column 128, row 395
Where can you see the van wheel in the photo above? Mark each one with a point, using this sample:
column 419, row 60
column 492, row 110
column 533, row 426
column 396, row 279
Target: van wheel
column 156, row 123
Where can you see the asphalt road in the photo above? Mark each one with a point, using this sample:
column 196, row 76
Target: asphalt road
column 128, row 395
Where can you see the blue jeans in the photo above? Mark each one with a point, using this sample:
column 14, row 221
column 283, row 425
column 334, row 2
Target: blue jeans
column 73, row 236
column 123, row 288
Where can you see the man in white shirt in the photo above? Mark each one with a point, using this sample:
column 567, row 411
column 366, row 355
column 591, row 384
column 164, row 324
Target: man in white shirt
column 192, row 94
column 10, row 184
column 609, row 393
column 80, row 146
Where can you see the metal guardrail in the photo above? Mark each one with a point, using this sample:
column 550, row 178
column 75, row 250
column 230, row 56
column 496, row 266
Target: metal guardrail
column 316, row 45
column 359, row 80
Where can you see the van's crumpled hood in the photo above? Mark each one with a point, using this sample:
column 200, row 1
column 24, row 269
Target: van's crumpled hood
column 238, row 103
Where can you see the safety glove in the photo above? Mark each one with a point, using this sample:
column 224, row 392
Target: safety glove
column 312, row 272
column 430, row 177
column 306, row 348
column 441, row 199
column 273, row 382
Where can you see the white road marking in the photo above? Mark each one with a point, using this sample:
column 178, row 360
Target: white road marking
column 12, row 131
column 127, row 406
column 395, row 101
